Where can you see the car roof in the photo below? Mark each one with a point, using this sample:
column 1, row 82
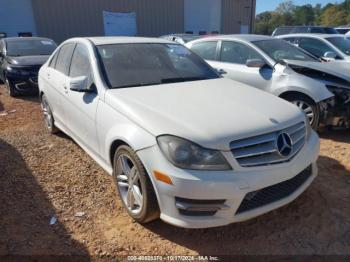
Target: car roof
column 323, row 36
column 15, row 39
column 242, row 37
column 107, row 40
column 183, row 34
column 304, row 26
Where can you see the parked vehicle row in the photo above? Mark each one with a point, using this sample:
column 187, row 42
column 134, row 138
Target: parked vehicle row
column 182, row 143
column 321, row 90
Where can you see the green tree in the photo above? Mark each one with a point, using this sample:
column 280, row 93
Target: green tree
column 332, row 16
column 304, row 15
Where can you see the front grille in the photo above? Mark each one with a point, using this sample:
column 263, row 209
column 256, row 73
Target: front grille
column 273, row 193
column 196, row 207
column 262, row 150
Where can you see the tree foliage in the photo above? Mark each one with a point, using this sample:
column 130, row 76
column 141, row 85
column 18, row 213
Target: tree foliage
column 286, row 13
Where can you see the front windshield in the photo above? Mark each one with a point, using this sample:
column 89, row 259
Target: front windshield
column 30, row 47
column 341, row 43
column 280, row 50
column 141, row 64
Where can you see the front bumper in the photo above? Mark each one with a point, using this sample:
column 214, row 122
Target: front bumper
column 24, row 84
column 226, row 189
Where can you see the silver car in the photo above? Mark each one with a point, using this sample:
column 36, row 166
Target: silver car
column 321, row 90
column 325, row 47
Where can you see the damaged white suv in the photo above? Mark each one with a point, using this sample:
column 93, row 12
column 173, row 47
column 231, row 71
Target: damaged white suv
column 182, row 143
column 321, row 90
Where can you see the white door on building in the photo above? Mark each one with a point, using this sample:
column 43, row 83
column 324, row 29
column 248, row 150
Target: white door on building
column 244, row 29
column 202, row 15
column 119, row 24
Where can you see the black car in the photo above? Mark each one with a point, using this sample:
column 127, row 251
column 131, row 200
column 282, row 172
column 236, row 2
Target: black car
column 286, row 30
column 20, row 61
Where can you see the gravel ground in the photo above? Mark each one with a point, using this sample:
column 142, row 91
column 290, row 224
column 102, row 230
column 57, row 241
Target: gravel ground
column 44, row 176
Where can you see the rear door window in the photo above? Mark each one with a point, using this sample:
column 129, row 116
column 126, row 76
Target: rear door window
column 52, row 63
column 64, row 58
column 206, row 50
column 237, row 53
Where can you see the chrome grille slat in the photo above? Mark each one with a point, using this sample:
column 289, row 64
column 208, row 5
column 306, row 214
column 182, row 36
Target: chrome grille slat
column 259, row 140
column 261, row 150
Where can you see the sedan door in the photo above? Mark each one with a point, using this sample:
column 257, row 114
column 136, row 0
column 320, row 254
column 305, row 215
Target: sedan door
column 82, row 106
column 233, row 57
column 55, row 79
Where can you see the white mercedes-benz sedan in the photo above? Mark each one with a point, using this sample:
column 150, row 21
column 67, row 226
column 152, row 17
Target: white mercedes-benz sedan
column 182, row 143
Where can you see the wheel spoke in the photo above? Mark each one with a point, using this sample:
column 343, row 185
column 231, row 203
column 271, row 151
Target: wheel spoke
column 137, row 195
column 130, row 199
column 123, row 184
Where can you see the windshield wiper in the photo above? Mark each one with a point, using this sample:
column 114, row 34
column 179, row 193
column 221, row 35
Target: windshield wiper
column 137, row 85
column 181, row 79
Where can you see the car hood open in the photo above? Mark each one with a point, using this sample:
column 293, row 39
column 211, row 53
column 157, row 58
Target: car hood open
column 27, row 60
column 211, row 113
column 341, row 70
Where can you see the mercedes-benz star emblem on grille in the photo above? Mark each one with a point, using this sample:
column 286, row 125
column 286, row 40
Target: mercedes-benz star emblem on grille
column 284, row 144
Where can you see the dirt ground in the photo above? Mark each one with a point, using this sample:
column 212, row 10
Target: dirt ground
column 44, row 176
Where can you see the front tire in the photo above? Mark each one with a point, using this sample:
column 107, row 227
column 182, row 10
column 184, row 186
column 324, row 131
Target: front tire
column 11, row 90
column 308, row 106
column 48, row 116
column 134, row 186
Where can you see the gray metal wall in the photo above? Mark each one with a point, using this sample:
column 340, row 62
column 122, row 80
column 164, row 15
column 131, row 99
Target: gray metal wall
column 236, row 13
column 69, row 18
column 62, row 19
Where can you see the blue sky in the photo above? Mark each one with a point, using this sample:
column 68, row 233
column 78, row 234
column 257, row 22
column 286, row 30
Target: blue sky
column 269, row 5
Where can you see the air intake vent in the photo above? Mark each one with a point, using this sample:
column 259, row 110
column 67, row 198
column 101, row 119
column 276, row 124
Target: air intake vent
column 271, row 148
column 274, row 193
column 194, row 207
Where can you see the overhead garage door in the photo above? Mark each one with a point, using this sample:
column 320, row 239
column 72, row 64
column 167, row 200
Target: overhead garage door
column 16, row 16
column 202, row 15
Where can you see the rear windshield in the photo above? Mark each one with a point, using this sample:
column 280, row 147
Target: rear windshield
column 142, row 64
column 341, row 43
column 280, row 50
column 29, row 47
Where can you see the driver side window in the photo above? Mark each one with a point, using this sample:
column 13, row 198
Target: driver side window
column 314, row 46
column 80, row 65
column 237, row 53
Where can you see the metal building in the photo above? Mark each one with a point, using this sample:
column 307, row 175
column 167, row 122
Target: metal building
column 62, row 19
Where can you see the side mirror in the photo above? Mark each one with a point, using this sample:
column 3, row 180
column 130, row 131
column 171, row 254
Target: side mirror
column 330, row 55
column 79, row 84
column 257, row 63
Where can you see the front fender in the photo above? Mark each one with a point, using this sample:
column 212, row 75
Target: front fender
column 130, row 134
column 308, row 86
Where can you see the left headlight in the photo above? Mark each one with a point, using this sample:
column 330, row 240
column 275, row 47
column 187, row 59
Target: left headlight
column 188, row 155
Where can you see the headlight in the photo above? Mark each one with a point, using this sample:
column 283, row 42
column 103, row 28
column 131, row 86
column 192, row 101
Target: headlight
column 188, row 155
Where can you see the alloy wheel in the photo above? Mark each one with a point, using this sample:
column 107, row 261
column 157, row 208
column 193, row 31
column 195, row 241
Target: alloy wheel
column 307, row 109
column 47, row 113
column 129, row 185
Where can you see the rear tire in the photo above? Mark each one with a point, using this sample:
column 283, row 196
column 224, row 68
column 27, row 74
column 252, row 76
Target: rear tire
column 134, row 186
column 48, row 116
column 308, row 106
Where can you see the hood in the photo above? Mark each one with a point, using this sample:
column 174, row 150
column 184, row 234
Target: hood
column 341, row 70
column 211, row 113
column 27, row 60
